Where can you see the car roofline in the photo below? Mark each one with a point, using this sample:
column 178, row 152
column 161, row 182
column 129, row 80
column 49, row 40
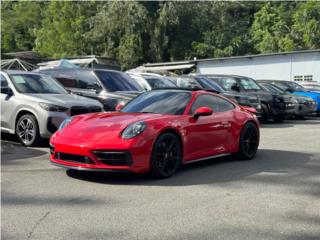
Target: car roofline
column 186, row 89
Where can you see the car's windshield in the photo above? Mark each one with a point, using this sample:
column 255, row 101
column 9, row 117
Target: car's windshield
column 117, row 81
column 36, row 83
column 159, row 82
column 162, row 102
column 296, row 87
column 226, row 83
column 312, row 87
column 187, row 82
column 208, row 84
column 271, row 88
column 249, row 84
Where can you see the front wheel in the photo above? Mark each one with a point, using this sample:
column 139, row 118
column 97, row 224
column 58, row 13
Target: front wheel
column 27, row 130
column 166, row 156
column 249, row 141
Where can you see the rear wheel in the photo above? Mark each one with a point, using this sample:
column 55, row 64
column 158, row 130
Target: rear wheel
column 264, row 113
column 249, row 141
column 166, row 156
column 27, row 130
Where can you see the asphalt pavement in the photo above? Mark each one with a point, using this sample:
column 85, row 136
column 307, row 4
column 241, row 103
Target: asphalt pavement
column 274, row 196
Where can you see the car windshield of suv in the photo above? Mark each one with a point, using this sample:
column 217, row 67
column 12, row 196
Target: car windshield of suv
column 159, row 82
column 271, row 88
column 117, row 81
column 162, row 102
column 249, row 84
column 35, row 83
column 208, row 84
column 226, row 83
column 296, row 87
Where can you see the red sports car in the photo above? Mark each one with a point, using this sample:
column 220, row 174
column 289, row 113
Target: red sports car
column 157, row 131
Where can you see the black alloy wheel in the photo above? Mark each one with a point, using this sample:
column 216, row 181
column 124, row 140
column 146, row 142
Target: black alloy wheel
column 166, row 156
column 27, row 130
column 249, row 141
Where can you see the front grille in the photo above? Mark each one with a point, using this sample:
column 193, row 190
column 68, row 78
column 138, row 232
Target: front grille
column 113, row 158
column 73, row 158
column 81, row 110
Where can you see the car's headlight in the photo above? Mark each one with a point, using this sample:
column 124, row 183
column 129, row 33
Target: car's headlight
column 65, row 123
column 133, row 130
column 52, row 107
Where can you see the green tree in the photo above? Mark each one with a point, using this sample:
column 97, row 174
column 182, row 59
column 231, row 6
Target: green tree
column 63, row 29
column 306, row 25
column 19, row 21
column 120, row 30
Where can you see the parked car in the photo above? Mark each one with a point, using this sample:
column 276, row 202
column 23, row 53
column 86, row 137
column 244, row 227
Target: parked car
column 140, row 80
column 156, row 81
column 312, row 86
column 274, row 106
column 303, row 105
column 157, row 131
column 195, row 81
column 297, row 89
column 33, row 105
column 107, row 86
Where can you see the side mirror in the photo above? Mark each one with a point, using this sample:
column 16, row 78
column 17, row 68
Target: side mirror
column 202, row 111
column 7, row 90
column 119, row 106
column 235, row 87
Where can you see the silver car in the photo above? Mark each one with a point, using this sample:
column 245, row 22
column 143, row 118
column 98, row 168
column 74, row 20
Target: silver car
column 33, row 105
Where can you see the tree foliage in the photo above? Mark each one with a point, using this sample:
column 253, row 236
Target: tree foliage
column 139, row 32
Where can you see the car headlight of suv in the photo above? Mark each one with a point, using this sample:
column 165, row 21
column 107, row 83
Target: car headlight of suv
column 65, row 123
column 52, row 107
column 133, row 130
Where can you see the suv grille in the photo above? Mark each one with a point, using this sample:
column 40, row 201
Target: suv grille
column 113, row 158
column 82, row 110
column 73, row 158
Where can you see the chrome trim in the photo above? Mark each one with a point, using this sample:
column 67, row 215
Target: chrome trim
column 206, row 158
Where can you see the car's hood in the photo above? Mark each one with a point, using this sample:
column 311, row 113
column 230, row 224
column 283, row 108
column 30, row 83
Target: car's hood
column 65, row 100
column 107, row 126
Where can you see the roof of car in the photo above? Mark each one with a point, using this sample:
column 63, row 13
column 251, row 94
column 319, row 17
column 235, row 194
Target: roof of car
column 18, row 72
column 78, row 69
column 220, row 75
column 272, row 80
column 185, row 89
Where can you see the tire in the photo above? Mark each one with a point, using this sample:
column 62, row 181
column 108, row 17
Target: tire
column 166, row 156
column 27, row 130
column 264, row 113
column 249, row 141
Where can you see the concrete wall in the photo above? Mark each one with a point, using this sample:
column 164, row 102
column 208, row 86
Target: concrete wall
column 282, row 67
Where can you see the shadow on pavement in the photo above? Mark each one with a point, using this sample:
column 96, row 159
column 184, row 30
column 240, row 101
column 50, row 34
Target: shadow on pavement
column 15, row 151
column 292, row 122
column 212, row 171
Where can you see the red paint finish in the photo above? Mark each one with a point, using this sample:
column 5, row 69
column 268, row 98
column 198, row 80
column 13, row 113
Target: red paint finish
column 201, row 136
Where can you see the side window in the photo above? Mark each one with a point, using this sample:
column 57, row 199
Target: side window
column 87, row 80
column 217, row 104
column 67, row 78
column 4, row 82
column 225, row 105
column 187, row 83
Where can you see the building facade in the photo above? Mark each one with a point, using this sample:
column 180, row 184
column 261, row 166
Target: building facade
column 295, row 66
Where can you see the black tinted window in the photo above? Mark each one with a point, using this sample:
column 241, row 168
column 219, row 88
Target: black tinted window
column 163, row 102
column 117, row 81
column 67, row 78
column 87, row 80
column 217, row 104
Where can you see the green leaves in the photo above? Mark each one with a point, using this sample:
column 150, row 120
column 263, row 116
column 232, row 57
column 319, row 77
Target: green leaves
column 140, row 32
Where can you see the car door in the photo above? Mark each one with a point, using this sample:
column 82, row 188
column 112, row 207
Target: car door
column 8, row 106
column 209, row 135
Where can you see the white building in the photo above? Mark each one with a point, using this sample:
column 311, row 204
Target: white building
column 297, row 66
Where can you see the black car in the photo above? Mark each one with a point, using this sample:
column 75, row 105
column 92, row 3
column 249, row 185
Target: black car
column 303, row 105
column 108, row 86
column 195, row 81
column 274, row 106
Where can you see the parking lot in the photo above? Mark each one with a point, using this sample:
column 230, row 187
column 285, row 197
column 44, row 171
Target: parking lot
column 274, row 196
